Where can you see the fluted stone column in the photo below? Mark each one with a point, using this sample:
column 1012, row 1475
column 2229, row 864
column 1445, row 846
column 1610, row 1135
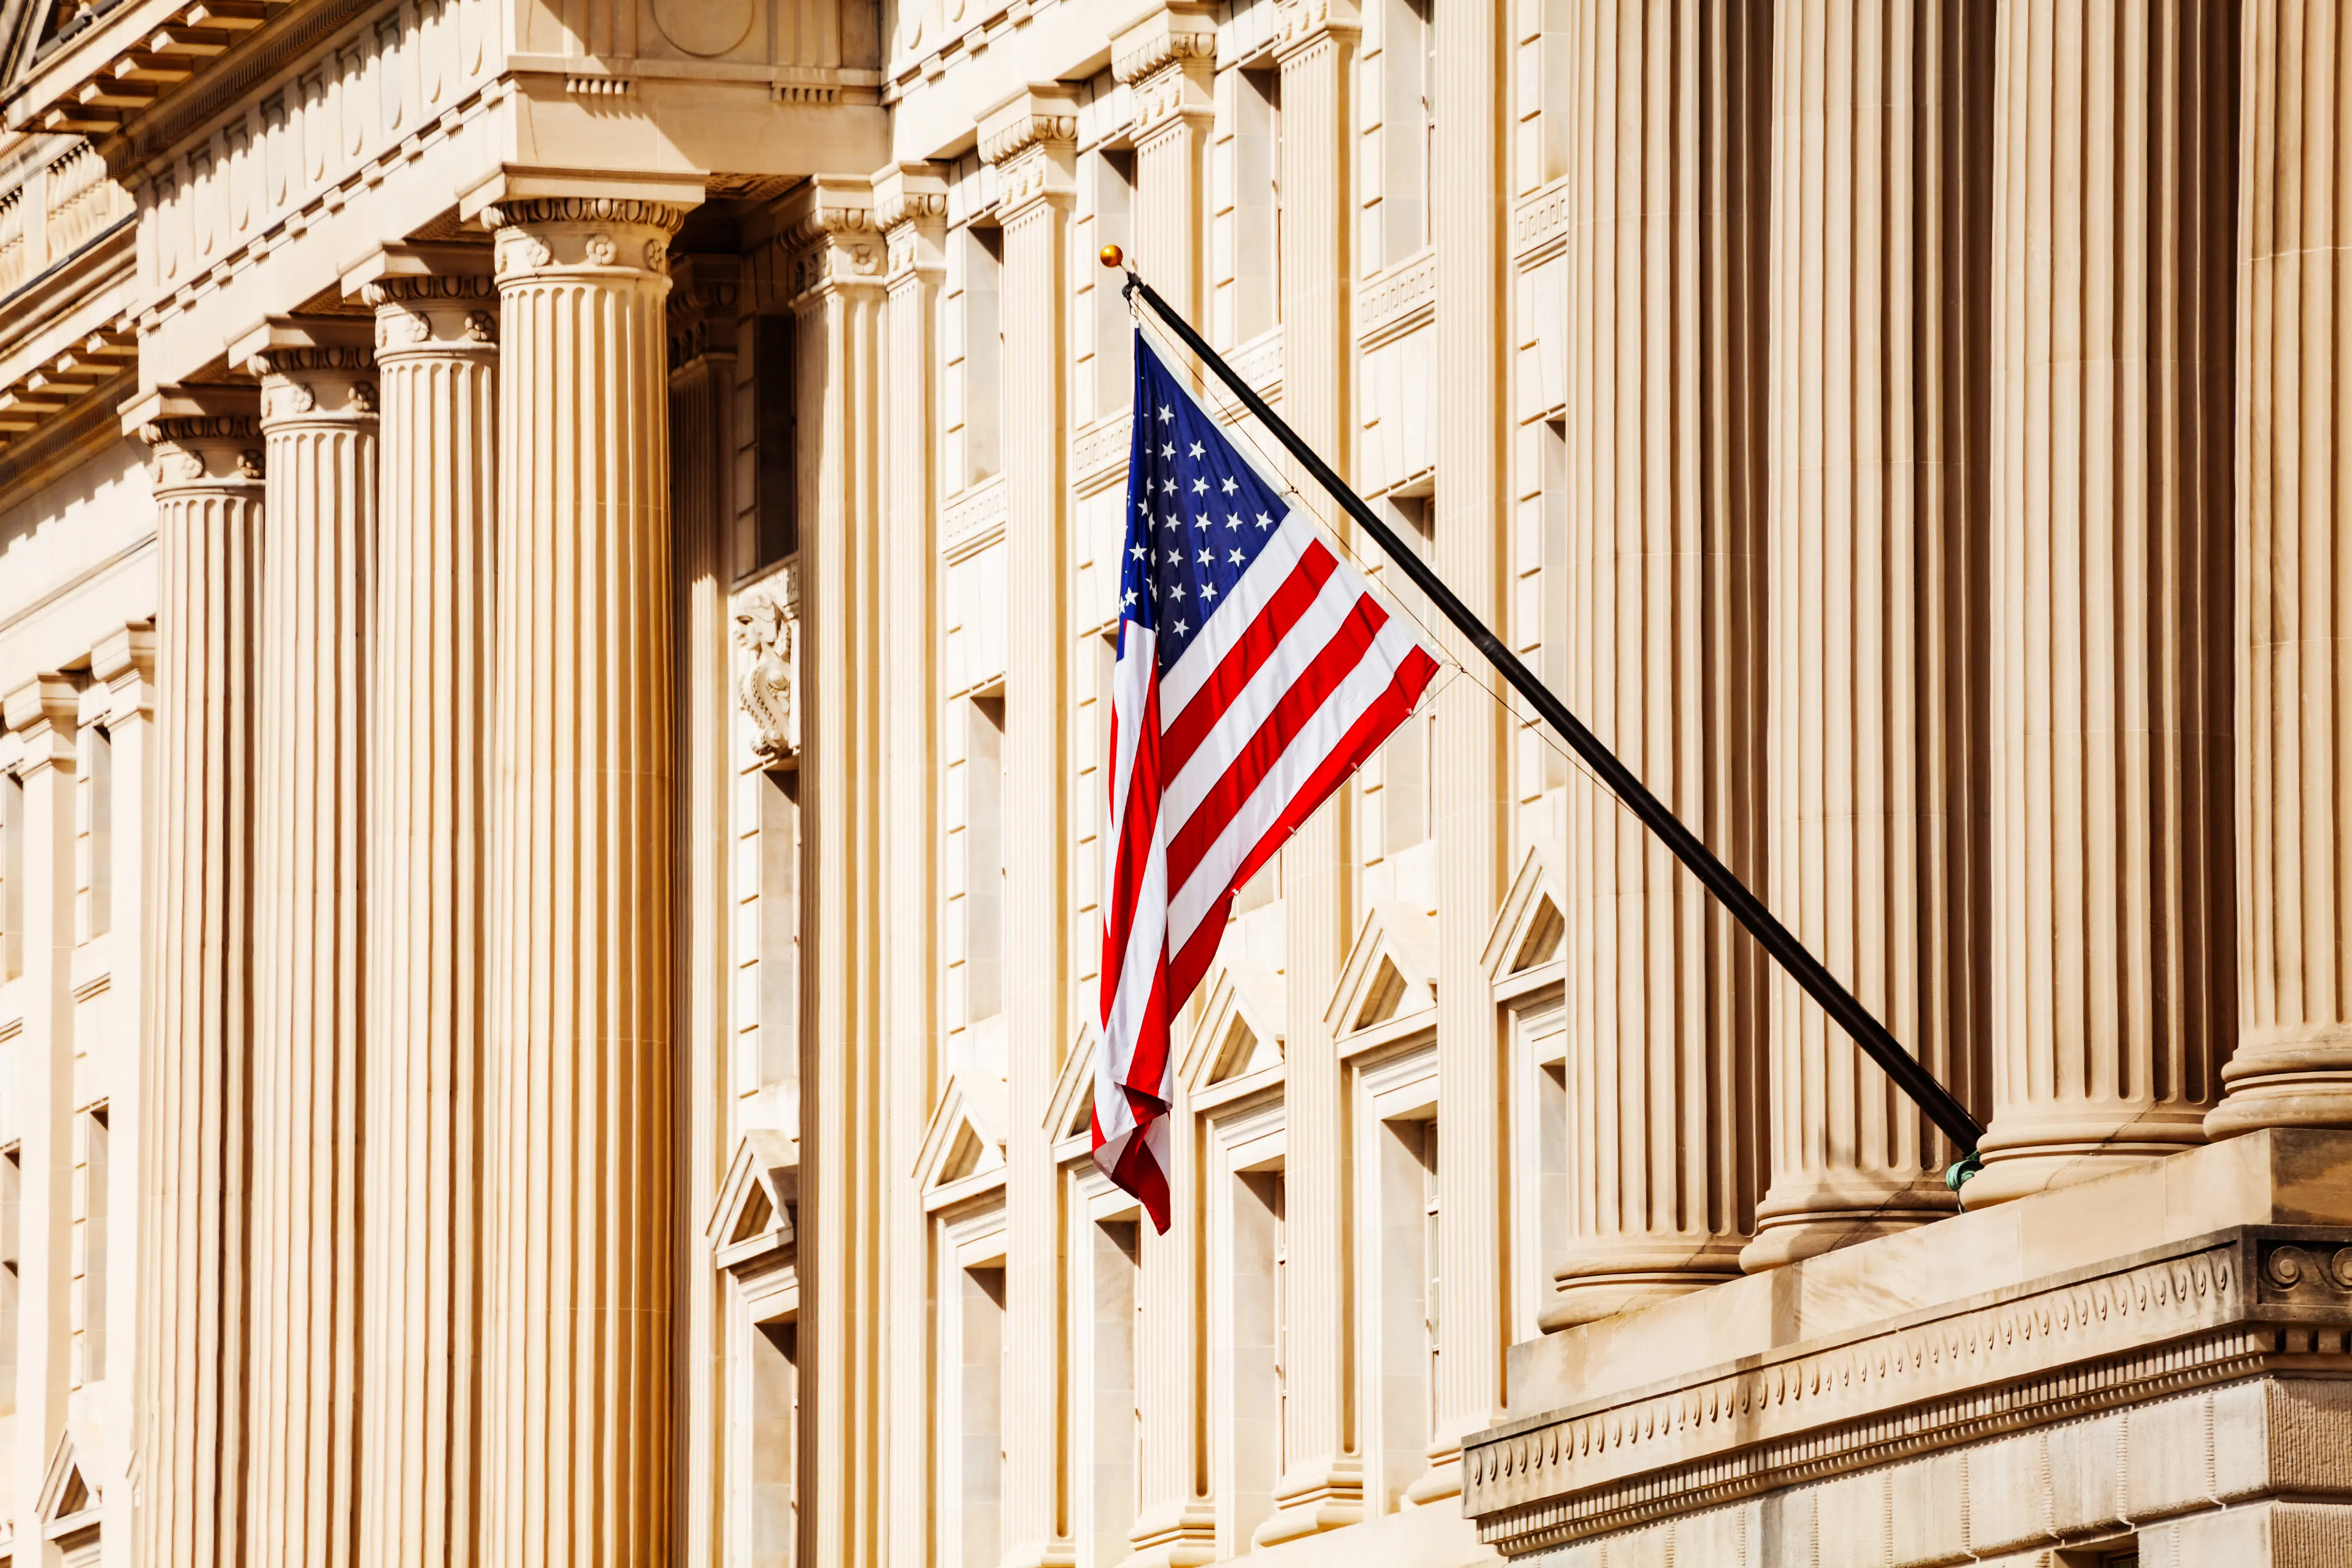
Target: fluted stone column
column 2294, row 614
column 429, row 690
column 705, row 302
column 1469, row 211
column 1033, row 143
column 578, row 1118
column 2113, row 964
column 1881, row 180
column 1322, row 1484
column 911, row 208
column 1168, row 60
column 1665, row 429
column 318, row 429
column 837, row 258
column 194, row 1258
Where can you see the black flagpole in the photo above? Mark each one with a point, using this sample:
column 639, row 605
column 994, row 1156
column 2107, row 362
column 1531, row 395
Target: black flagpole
column 1775, row 939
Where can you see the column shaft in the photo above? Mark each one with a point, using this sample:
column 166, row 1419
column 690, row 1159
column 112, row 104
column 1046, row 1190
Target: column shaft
column 2293, row 1062
column 193, row 1257
column 1322, row 1485
column 2113, row 964
column 1880, row 169
column 319, row 427
column 437, row 358
column 1167, row 60
column 705, row 293
column 1665, row 429
column 1470, row 810
column 578, row 1118
column 911, row 208
column 1034, row 150
column 841, row 1245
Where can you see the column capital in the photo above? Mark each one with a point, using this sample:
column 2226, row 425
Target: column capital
column 825, row 239
column 125, row 661
column 46, row 711
column 1308, row 27
column 1033, row 140
column 203, row 437
column 705, row 296
column 910, row 206
column 435, row 299
column 581, row 236
column 1169, row 63
column 312, row 368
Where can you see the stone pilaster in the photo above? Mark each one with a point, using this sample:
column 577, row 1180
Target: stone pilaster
column 1169, row 62
column 318, row 429
column 2113, row 952
column 1665, row 430
column 1881, row 180
column 196, row 1143
column 578, row 1113
column 1033, row 143
column 911, row 208
column 1468, row 789
column 1322, row 1485
column 436, row 367
column 836, row 265
column 2293, row 1061
column 44, row 713
column 705, row 304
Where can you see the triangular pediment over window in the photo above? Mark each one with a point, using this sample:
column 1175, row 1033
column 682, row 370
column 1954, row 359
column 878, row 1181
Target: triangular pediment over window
column 1389, row 985
column 1525, row 946
column 753, row 1219
column 1241, row 1026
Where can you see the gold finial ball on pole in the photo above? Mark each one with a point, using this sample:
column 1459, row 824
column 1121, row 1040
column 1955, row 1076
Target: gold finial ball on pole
column 1112, row 257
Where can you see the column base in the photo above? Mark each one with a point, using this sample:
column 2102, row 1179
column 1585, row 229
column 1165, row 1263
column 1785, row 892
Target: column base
column 1442, row 1479
column 1328, row 1496
column 1825, row 1214
column 2039, row 1156
column 1601, row 1279
column 2282, row 1078
column 1184, row 1535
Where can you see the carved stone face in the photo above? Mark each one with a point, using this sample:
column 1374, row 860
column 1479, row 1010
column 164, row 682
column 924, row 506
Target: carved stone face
column 760, row 627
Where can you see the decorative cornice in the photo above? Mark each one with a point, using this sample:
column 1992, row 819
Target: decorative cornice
column 2187, row 1315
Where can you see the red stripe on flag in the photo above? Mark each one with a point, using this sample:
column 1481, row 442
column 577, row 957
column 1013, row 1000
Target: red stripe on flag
column 1378, row 720
column 1249, row 653
column 1299, row 704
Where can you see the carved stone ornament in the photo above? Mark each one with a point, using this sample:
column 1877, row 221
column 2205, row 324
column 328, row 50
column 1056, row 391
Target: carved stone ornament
column 766, row 687
column 579, row 231
column 205, row 449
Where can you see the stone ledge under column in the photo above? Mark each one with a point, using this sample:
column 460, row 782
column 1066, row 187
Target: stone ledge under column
column 2215, row 1267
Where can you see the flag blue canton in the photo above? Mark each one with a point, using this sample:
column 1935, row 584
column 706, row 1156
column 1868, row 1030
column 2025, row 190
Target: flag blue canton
column 1197, row 513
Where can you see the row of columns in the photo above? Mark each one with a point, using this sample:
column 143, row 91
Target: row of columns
column 408, row 1238
column 2000, row 322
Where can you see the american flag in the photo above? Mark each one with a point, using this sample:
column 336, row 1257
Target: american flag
column 1256, row 672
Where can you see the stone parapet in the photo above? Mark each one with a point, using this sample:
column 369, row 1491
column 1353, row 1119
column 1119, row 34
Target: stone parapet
column 2227, row 1268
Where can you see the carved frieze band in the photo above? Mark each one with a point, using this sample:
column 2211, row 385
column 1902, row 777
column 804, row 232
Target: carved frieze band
column 1539, row 223
column 1398, row 300
column 2200, row 1315
column 1099, row 454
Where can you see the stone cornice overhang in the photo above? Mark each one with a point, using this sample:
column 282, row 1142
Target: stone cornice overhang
column 73, row 334
column 144, row 54
column 2218, row 1308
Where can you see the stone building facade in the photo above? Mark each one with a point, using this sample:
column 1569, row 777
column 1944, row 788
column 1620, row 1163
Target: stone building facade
column 553, row 647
